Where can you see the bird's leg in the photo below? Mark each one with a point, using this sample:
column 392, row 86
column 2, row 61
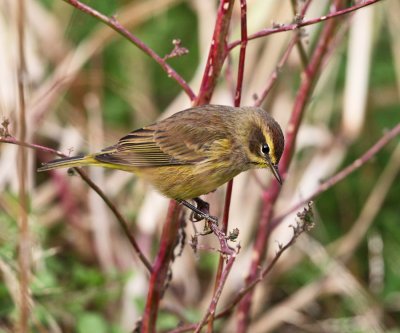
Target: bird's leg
column 204, row 207
column 201, row 212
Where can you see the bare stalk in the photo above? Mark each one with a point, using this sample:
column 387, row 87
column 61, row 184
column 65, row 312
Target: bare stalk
column 112, row 22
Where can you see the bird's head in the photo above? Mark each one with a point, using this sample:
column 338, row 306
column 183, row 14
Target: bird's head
column 265, row 143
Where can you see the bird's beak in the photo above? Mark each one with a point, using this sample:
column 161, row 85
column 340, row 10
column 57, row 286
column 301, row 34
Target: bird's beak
column 275, row 171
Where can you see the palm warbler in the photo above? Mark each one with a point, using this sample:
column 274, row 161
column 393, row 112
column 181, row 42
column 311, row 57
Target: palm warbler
column 194, row 151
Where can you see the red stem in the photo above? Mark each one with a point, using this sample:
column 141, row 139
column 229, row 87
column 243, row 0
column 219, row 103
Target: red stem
column 272, row 193
column 269, row 197
column 160, row 269
column 111, row 22
column 285, row 56
column 242, row 55
column 217, row 53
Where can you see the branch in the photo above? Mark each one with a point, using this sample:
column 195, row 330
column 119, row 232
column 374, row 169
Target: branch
column 123, row 223
column 112, row 23
column 294, row 26
column 161, row 265
column 224, row 276
column 217, row 53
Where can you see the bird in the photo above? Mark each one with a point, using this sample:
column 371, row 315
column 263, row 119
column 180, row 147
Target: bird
column 194, row 151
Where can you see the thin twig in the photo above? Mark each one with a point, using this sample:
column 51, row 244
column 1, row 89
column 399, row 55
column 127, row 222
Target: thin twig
column 224, row 275
column 305, row 224
column 123, row 223
column 112, row 22
column 297, row 231
column 294, row 26
column 345, row 246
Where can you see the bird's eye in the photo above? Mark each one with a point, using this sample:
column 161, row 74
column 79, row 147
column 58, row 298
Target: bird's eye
column 265, row 149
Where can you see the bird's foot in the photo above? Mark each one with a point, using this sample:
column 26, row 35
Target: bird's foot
column 201, row 212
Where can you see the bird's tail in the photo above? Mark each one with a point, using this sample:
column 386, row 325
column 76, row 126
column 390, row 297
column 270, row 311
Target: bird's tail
column 68, row 162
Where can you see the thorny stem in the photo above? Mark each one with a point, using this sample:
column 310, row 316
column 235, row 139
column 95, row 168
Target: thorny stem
column 304, row 225
column 294, row 26
column 274, row 190
column 224, row 275
column 309, row 77
column 123, row 223
column 112, row 22
column 297, row 231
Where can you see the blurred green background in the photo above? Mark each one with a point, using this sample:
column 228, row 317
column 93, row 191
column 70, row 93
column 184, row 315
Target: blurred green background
column 78, row 284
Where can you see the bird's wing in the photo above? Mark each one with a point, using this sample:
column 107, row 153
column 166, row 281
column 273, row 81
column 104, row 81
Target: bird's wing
column 165, row 143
